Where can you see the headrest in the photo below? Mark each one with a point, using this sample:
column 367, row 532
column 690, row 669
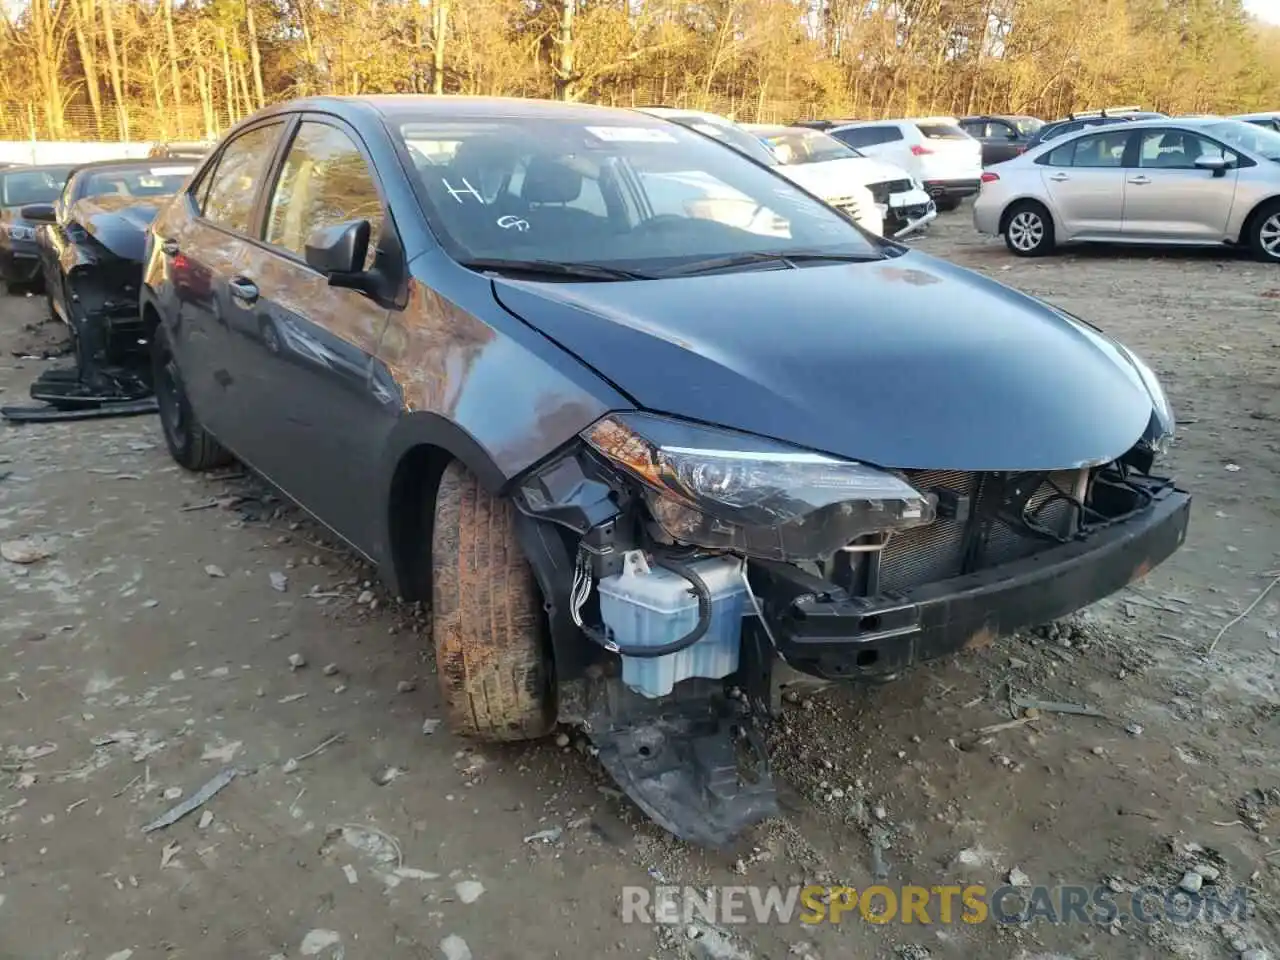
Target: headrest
column 483, row 152
column 550, row 181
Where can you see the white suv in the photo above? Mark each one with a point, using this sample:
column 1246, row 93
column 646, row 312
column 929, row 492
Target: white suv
column 933, row 149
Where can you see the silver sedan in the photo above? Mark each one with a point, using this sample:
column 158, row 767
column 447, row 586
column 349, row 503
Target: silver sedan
column 1191, row 181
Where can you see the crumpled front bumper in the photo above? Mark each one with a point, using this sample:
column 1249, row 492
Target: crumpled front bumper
column 827, row 634
column 908, row 212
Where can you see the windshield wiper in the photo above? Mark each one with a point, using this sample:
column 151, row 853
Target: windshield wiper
column 787, row 258
column 555, row 268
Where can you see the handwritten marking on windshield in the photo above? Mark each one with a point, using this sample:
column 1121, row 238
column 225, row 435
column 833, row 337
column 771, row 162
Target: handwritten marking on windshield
column 463, row 191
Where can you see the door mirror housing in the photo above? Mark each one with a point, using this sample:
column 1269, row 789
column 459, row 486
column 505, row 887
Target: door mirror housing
column 339, row 253
column 39, row 213
column 1218, row 165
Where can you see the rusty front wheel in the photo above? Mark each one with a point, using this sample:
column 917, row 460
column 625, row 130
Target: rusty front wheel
column 487, row 617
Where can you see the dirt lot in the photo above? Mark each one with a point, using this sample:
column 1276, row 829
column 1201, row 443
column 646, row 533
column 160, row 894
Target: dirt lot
column 152, row 650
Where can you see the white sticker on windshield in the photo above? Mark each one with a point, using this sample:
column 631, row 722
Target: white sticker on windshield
column 631, row 134
column 170, row 171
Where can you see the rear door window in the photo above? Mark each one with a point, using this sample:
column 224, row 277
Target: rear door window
column 1101, row 150
column 867, row 136
column 233, row 188
column 1060, row 156
column 941, row 131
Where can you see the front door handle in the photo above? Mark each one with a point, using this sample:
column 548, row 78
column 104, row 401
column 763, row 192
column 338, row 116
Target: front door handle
column 1140, row 180
column 244, row 290
column 1059, row 177
column 170, row 248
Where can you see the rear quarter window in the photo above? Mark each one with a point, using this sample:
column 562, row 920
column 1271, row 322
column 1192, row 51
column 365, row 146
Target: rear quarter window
column 941, row 131
column 867, row 136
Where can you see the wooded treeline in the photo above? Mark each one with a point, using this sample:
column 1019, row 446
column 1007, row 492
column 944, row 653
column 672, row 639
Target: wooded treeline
column 185, row 69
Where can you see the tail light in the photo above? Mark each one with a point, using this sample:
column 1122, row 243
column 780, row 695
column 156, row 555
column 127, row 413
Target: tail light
column 989, row 177
column 920, row 150
column 1022, row 148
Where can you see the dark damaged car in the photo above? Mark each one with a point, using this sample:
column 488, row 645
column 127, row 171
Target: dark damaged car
column 19, row 186
column 647, row 453
column 91, row 240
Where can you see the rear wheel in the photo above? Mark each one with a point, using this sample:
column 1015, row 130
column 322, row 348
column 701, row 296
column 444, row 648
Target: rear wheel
column 1264, row 236
column 189, row 444
column 1028, row 229
column 486, row 615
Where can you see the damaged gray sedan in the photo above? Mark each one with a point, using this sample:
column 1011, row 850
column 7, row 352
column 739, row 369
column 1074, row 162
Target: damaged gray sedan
column 644, row 456
column 89, row 244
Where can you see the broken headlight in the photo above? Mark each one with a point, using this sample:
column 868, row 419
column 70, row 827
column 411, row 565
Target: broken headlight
column 1160, row 431
column 725, row 490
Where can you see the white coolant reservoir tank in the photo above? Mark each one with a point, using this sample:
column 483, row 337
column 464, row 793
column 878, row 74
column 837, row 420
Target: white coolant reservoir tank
column 650, row 606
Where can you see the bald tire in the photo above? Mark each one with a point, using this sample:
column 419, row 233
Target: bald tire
column 487, row 616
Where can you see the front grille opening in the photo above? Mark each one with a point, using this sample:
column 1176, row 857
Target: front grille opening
column 866, row 658
column 938, row 551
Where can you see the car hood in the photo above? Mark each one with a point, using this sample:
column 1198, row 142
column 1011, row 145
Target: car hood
column 826, row 180
column 910, row 362
column 117, row 222
column 862, row 170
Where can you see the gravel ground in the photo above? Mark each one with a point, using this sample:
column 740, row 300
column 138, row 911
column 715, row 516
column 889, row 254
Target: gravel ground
column 182, row 626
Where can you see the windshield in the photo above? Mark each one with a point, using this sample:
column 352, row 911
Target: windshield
column 1027, row 125
column 33, row 186
column 1248, row 136
column 638, row 195
column 152, row 181
column 808, row 146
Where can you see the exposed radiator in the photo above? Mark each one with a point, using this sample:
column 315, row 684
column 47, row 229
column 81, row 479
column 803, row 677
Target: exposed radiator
column 936, row 552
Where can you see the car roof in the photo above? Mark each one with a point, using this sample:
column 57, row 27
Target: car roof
column 126, row 162
column 1264, row 115
column 899, row 120
column 398, row 107
column 38, row 167
column 776, row 128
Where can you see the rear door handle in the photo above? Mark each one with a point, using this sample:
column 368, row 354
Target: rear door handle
column 1139, row 180
column 244, row 290
column 170, row 248
column 1059, row 177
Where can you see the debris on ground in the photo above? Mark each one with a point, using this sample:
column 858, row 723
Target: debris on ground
column 1053, row 706
column 455, row 948
column 317, row 941
column 194, row 802
column 386, row 774
column 27, row 550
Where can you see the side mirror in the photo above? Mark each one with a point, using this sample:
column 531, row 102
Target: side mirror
column 339, row 252
column 39, row 213
column 1012, row 134
column 1218, row 165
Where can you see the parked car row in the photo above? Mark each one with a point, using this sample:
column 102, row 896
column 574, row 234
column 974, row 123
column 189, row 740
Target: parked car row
column 649, row 427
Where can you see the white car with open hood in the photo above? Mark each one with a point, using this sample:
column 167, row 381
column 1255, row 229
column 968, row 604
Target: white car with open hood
column 822, row 164
column 848, row 195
